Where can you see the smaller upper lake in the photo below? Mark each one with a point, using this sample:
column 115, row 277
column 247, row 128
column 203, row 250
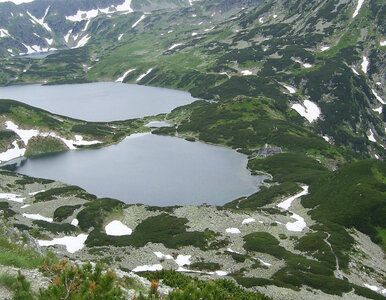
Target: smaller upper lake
column 151, row 169
column 99, row 101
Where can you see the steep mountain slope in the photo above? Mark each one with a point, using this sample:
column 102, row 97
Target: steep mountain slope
column 44, row 25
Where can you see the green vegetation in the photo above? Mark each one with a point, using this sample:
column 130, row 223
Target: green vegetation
column 39, row 145
column 66, row 191
column 15, row 255
column 187, row 287
column 353, row 196
column 7, row 280
column 55, row 228
column 165, row 229
column 95, row 212
column 63, row 212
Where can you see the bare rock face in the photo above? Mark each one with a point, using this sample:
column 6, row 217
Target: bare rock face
column 268, row 151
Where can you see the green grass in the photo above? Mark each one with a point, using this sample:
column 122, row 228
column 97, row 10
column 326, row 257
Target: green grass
column 7, row 281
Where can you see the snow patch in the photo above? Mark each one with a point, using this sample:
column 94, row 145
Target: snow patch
column 72, row 244
column 183, row 260
column 3, row 33
column 305, row 65
column 371, row 137
column 324, row 48
column 355, row 71
column 37, row 217
column 117, row 228
column 378, row 110
column 290, row 89
column 120, row 79
column 83, row 41
column 246, row 72
column 248, row 221
column 378, row 97
column 365, row 64
column 140, row 19
column 233, row 230
column 12, row 197
column 230, row 250
column 174, row 46
column 382, row 43
column 144, row 75
column 75, row 222
column 297, row 226
column 120, row 36
column 286, row 204
column 150, row 268
column 308, row 110
column 15, row 152
column 25, row 206
column 326, row 138
column 157, row 124
column 35, row 193
column 261, row 20
column 264, row 263
column 357, row 9
column 160, row 255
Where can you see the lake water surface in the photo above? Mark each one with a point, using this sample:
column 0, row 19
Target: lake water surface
column 99, row 101
column 153, row 170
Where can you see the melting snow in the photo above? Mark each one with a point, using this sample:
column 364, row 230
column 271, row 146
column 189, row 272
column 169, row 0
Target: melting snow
column 290, row 89
column 144, row 75
column 38, row 217
column 140, row 19
column 305, row 65
column 324, row 48
column 75, row 222
column 125, row 6
column 309, row 110
column 230, row 250
column 12, row 153
column 116, row 228
column 286, row 204
column 261, row 20
column 355, row 71
column 233, row 230
column 41, row 21
column 300, row 224
column 150, row 268
column 120, row 36
column 183, row 260
column 83, row 41
column 378, row 110
column 120, row 79
column 246, row 72
column 35, row 193
column 378, row 97
column 297, row 226
column 72, row 244
column 27, row 134
column 326, row 138
column 3, row 33
column 175, row 46
column 248, row 221
column 264, row 263
column 160, row 255
column 371, row 137
column 220, row 273
column 359, row 5
column 12, row 197
column 365, row 64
